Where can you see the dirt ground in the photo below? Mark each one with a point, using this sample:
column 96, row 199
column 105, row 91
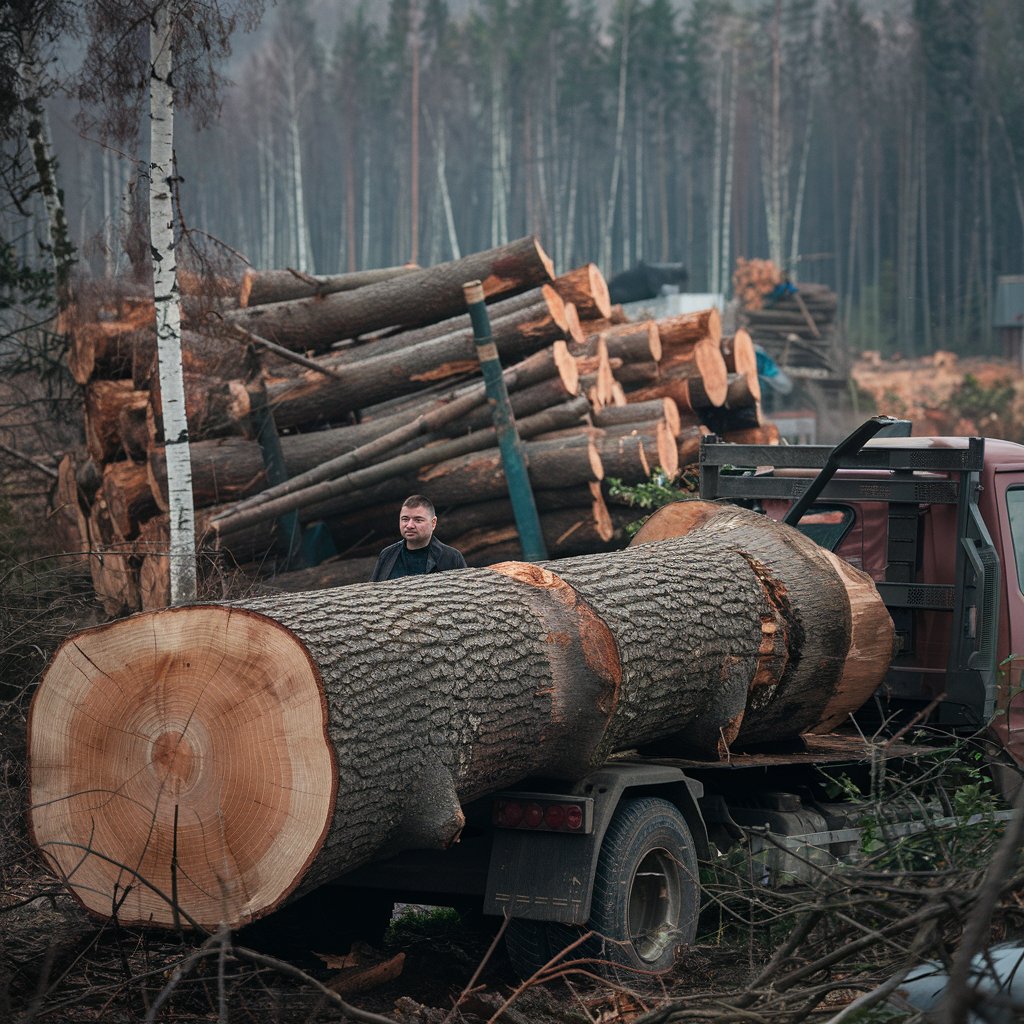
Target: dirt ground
column 930, row 391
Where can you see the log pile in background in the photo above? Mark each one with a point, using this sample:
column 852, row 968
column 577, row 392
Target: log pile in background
column 796, row 325
column 377, row 374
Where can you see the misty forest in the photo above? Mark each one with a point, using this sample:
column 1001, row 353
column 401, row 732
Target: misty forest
column 875, row 147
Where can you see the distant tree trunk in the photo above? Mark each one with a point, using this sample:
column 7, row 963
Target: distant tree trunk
column 988, row 280
column 714, row 267
column 926, row 293
column 608, row 220
column 414, row 142
column 38, row 130
column 855, row 203
column 1011, row 160
column 300, row 225
column 440, row 155
column 168, row 310
column 774, row 169
column 724, row 276
column 798, row 204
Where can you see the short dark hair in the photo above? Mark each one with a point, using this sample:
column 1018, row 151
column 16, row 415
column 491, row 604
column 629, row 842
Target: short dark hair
column 419, row 501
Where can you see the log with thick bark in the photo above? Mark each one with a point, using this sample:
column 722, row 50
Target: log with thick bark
column 236, row 756
column 543, row 305
column 417, row 298
column 586, row 288
column 232, row 468
column 310, row 397
column 834, row 675
column 457, row 461
column 260, row 287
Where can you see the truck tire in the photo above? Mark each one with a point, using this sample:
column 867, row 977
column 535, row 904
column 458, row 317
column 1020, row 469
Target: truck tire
column 528, row 946
column 646, row 896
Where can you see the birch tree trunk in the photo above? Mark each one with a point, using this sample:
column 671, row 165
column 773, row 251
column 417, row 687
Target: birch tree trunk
column 168, row 309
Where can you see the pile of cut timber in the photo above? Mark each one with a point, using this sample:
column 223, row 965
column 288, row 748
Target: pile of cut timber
column 315, row 404
column 230, row 757
column 795, row 324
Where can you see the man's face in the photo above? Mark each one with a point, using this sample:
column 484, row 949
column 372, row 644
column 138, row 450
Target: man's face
column 417, row 526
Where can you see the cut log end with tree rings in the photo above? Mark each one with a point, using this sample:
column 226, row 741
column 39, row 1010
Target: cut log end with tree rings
column 215, row 726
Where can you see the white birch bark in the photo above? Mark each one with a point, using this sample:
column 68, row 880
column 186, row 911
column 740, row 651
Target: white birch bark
column 168, row 309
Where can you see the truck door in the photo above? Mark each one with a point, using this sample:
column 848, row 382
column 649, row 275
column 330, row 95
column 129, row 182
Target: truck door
column 1009, row 721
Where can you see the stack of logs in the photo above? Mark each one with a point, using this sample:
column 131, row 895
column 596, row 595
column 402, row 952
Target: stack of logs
column 795, row 323
column 376, row 373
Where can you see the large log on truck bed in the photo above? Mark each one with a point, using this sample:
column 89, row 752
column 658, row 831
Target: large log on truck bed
column 237, row 755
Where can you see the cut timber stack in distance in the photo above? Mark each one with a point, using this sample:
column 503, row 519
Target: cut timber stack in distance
column 373, row 388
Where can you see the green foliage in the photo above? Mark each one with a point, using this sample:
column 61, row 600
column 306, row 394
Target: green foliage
column 22, row 285
column 992, row 409
column 417, row 925
column 660, row 489
column 949, row 800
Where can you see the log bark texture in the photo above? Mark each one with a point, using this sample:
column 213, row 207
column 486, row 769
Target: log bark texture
column 417, row 298
column 242, row 754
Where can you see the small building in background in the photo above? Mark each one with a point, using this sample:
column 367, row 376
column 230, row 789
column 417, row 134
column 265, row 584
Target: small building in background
column 1008, row 317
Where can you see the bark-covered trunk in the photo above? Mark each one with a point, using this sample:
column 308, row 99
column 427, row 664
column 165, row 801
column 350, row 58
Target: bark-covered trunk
column 311, row 397
column 417, row 298
column 239, row 755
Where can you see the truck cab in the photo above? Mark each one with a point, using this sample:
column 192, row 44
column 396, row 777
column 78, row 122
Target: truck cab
column 938, row 523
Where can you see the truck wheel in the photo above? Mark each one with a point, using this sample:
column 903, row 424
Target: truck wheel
column 526, row 943
column 646, row 892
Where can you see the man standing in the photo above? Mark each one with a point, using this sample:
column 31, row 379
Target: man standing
column 419, row 551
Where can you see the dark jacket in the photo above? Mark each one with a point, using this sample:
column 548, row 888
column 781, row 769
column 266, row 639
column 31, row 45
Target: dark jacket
column 439, row 558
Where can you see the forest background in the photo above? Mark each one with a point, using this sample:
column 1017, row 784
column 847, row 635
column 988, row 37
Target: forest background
column 875, row 147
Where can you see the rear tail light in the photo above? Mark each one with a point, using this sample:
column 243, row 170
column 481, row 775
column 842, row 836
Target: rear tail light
column 543, row 813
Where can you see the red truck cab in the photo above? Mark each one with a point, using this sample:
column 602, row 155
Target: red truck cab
column 938, row 523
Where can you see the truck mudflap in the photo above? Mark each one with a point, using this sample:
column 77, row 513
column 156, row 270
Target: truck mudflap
column 549, row 875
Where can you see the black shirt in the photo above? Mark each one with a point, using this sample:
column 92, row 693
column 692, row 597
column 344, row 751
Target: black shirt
column 410, row 563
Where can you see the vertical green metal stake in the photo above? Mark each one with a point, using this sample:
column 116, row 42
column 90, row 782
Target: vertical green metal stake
column 513, row 454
